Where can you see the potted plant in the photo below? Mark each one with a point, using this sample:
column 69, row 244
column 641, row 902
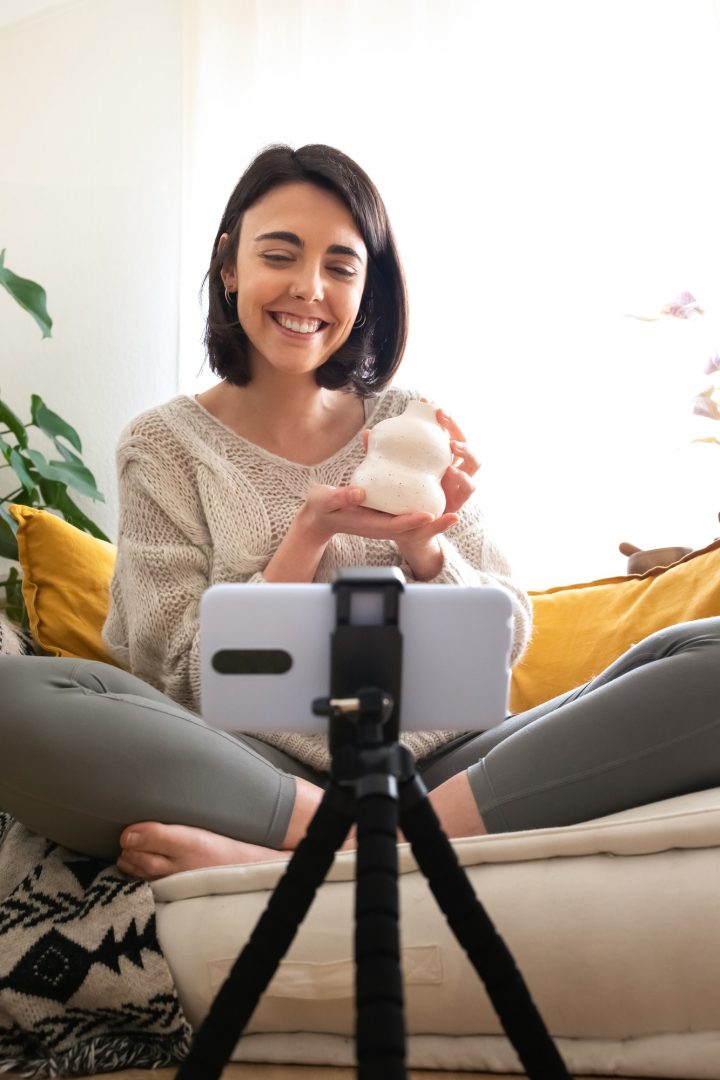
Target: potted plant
column 26, row 475
column 706, row 402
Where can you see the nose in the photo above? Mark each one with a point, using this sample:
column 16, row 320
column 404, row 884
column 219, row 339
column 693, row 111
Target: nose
column 308, row 282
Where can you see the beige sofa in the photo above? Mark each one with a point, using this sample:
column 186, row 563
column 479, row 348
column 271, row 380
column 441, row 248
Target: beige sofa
column 615, row 924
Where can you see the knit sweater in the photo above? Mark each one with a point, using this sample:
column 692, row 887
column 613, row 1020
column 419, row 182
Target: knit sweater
column 199, row 505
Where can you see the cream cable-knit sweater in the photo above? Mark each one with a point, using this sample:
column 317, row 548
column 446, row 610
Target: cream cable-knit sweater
column 200, row 505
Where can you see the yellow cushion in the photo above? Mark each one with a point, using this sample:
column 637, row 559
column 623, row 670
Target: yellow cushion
column 66, row 579
column 580, row 629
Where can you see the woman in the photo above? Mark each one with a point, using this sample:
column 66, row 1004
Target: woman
column 250, row 482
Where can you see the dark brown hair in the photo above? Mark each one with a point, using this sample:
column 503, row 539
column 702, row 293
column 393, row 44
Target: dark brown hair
column 369, row 358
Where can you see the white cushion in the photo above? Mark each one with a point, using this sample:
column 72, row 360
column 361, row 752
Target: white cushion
column 614, row 923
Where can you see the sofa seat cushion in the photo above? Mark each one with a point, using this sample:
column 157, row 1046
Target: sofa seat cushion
column 614, row 924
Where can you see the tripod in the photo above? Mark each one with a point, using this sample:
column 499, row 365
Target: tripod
column 373, row 782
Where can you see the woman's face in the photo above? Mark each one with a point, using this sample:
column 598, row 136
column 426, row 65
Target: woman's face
column 299, row 276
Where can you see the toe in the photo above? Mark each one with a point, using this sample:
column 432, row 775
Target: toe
column 145, row 865
column 150, row 836
column 135, row 836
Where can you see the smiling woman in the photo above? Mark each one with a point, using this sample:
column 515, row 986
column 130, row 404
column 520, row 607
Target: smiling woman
column 251, row 481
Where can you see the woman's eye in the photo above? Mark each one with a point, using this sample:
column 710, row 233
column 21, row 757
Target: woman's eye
column 281, row 259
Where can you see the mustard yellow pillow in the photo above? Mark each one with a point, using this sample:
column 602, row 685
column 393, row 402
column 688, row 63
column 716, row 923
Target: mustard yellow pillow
column 580, row 629
column 66, row 579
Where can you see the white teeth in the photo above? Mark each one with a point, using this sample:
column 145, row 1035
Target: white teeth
column 307, row 326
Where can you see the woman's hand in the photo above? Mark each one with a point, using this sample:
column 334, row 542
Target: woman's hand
column 419, row 547
column 326, row 511
column 457, row 480
column 329, row 510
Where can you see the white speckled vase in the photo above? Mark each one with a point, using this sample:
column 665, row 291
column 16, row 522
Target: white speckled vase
column 407, row 456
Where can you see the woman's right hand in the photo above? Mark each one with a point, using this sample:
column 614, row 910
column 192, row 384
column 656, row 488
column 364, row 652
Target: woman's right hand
column 329, row 510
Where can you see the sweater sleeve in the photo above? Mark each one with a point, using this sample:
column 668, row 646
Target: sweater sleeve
column 470, row 557
column 163, row 566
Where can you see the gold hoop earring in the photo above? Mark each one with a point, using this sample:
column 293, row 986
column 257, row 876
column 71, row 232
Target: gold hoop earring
column 360, row 321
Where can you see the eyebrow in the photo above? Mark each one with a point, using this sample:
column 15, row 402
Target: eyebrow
column 293, row 238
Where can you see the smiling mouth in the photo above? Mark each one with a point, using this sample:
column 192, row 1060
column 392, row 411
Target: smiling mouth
column 308, row 327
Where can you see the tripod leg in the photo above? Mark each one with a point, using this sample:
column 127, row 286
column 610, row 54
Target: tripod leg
column 475, row 931
column 257, row 963
column 379, row 988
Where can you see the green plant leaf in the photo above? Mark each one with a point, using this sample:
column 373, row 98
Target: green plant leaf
column 20, row 466
column 28, row 294
column 15, row 604
column 66, row 472
column 8, row 417
column 8, row 543
column 79, row 477
column 67, row 453
column 75, row 516
column 23, row 499
column 51, row 424
column 51, row 491
column 73, row 459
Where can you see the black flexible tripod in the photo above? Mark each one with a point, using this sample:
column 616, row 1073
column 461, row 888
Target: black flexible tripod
column 373, row 782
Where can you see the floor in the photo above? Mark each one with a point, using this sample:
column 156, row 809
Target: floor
column 292, row 1072
column 301, row 1072
column 295, row 1072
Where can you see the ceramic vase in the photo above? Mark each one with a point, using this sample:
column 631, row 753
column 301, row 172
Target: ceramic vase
column 406, row 458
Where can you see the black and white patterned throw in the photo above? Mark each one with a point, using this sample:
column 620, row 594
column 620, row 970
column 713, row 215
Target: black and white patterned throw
column 84, row 986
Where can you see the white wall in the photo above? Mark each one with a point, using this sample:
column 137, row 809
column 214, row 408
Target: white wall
column 590, row 196
column 548, row 167
column 90, row 185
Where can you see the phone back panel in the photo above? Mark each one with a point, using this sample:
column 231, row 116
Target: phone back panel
column 456, row 648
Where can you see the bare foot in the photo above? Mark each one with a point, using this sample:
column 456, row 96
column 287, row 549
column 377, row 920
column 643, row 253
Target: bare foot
column 151, row 850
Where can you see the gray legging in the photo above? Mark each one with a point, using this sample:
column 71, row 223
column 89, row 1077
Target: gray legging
column 86, row 749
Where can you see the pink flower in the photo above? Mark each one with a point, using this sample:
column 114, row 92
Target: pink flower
column 713, row 364
column 704, row 405
column 683, row 306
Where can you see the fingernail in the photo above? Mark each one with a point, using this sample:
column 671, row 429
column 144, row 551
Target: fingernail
column 130, row 839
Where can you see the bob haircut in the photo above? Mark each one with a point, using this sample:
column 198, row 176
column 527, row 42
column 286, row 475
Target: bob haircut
column 369, row 358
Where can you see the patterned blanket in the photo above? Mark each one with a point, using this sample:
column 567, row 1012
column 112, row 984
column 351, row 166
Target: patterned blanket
column 84, row 986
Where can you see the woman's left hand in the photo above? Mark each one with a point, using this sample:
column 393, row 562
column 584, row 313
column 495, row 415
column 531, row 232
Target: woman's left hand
column 457, row 480
column 419, row 546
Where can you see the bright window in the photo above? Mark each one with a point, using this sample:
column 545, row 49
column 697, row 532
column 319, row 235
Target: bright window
column 548, row 168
